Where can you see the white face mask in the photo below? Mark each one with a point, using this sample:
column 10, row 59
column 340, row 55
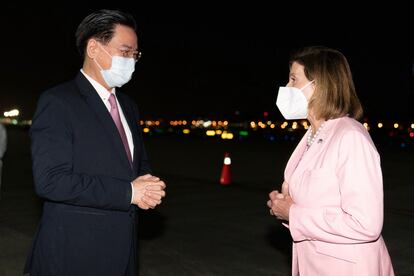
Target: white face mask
column 292, row 103
column 120, row 72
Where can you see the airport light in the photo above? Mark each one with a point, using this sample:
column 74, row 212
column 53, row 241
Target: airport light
column 210, row 132
column 227, row 135
column 243, row 133
column 206, row 124
column 12, row 113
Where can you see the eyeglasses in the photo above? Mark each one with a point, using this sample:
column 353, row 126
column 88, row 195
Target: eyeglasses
column 130, row 54
column 127, row 53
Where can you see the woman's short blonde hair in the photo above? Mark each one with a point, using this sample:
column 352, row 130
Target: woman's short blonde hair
column 335, row 94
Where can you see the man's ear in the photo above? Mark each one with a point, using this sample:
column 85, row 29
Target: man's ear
column 92, row 48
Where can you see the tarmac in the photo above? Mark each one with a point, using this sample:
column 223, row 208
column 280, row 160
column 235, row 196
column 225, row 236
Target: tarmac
column 202, row 227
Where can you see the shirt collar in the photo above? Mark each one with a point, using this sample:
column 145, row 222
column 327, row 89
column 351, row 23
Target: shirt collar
column 102, row 92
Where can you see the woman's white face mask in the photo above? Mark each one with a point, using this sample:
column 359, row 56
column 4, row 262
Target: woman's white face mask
column 292, row 103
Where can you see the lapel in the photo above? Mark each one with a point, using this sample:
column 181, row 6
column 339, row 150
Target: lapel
column 303, row 159
column 132, row 123
column 98, row 107
column 295, row 158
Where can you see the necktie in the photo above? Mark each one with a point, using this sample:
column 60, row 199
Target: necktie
column 117, row 119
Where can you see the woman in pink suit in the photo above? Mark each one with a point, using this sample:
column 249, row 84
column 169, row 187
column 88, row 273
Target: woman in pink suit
column 332, row 194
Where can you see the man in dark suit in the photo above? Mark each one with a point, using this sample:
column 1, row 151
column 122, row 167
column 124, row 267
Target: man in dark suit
column 89, row 161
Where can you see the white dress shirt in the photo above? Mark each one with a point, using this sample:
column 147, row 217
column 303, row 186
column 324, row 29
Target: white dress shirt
column 104, row 94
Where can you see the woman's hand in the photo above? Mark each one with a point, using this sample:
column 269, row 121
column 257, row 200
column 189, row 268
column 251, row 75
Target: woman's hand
column 280, row 203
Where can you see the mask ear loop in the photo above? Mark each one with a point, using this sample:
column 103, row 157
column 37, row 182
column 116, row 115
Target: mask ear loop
column 307, row 84
column 100, row 67
column 100, row 45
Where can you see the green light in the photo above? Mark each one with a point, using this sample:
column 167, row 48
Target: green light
column 243, row 133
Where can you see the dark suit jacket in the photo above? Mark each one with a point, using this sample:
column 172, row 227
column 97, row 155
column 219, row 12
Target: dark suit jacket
column 82, row 172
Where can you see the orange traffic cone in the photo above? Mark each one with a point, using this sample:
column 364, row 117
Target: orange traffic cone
column 225, row 178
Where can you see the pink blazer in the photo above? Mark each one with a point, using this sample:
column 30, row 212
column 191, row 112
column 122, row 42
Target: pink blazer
column 337, row 215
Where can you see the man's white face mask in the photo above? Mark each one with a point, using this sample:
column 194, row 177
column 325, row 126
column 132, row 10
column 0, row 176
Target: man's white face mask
column 292, row 103
column 120, row 72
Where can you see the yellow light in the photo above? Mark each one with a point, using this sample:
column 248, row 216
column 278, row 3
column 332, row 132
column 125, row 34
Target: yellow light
column 227, row 135
column 146, row 130
column 269, row 123
column 219, row 132
column 186, row 131
column 396, row 125
column 380, row 125
column 225, row 123
column 272, row 126
column 185, row 122
column 294, row 125
column 252, row 124
column 141, row 122
column 210, row 132
column 214, row 123
column 157, row 123
column 412, row 125
column 193, row 122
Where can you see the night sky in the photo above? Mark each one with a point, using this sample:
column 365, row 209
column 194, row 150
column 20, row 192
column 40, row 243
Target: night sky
column 214, row 61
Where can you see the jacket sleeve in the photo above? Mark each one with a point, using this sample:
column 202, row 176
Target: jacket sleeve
column 3, row 140
column 359, row 218
column 52, row 155
column 145, row 166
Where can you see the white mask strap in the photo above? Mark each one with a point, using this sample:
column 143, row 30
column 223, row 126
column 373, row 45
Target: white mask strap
column 104, row 49
column 100, row 67
column 307, row 85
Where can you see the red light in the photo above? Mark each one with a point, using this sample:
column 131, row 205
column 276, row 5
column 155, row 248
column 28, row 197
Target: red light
column 411, row 134
column 265, row 113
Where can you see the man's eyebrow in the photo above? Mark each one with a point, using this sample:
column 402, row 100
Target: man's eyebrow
column 127, row 46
